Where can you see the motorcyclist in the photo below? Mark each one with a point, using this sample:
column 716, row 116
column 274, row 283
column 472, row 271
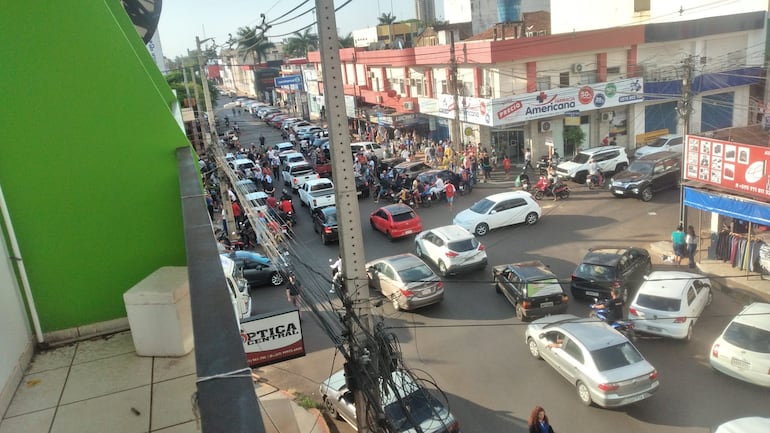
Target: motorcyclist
column 553, row 181
column 594, row 173
column 614, row 306
column 286, row 205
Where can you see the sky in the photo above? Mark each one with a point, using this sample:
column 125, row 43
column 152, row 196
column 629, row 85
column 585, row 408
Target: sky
column 182, row 20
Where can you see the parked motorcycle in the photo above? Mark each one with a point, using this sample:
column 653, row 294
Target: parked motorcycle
column 526, row 185
column 624, row 327
column 595, row 181
column 544, row 188
column 545, row 162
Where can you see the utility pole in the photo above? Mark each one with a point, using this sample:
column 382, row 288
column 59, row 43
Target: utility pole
column 456, row 137
column 196, row 139
column 684, row 109
column 354, row 279
column 199, row 117
column 213, row 138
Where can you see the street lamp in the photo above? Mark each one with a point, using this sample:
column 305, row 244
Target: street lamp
column 206, row 94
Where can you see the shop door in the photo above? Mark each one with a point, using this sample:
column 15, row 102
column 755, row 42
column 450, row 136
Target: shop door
column 509, row 142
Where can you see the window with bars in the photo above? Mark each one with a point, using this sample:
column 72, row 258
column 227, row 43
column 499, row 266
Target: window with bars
column 543, row 83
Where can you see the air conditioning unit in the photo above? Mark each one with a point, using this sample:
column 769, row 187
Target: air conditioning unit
column 545, row 125
column 606, row 117
column 577, row 67
column 408, row 105
column 379, row 99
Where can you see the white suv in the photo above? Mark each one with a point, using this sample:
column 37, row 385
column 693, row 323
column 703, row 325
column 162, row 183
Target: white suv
column 668, row 142
column 451, row 248
column 609, row 159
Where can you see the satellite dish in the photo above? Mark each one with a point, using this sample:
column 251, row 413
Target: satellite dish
column 145, row 15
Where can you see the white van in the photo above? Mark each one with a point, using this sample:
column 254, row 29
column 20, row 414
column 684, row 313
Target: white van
column 238, row 288
column 242, row 164
column 368, row 146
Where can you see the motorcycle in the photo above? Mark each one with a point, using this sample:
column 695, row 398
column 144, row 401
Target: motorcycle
column 524, row 181
column 595, row 181
column 544, row 188
column 545, row 162
column 624, row 327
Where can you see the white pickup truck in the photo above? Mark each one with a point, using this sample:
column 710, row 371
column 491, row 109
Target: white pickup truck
column 297, row 173
column 317, row 193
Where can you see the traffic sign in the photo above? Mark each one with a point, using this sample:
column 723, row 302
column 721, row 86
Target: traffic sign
column 288, row 80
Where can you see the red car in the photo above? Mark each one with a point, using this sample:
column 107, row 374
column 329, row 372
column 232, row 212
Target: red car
column 396, row 220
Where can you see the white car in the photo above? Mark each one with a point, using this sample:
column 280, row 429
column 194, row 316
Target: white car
column 668, row 303
column 745, row 425
column 238, row 288
column 451, row 248
column 499, row 210
column 743, row 349
column 317, row 193
column 668, row 142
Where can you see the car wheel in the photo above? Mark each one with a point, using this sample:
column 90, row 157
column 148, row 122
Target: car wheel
column 520, row 312
column 302, row 203
column 648, row 268
column 533, row 349
column 390, row 236
column 581, row 177
column 330, row 408
column 442, row 268
column 710, row 297
column 481, row 229
column 371, row 223
column 531, row 218
column 583, row 393
column 646, row 194
column 417, row 250
column 688, row 337
column 276, row 279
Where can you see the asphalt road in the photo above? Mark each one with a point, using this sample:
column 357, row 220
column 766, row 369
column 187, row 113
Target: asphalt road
column 473, row 346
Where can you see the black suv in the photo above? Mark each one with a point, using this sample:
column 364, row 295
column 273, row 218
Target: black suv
column 325, row 223
column 647, row 175
column 605, row 268
column 530, row 287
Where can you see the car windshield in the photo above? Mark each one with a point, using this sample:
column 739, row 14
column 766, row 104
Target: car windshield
column 748, row 337
column 620, row 355
column 658, row 142
column 581, row 158
column 658, row 302
column 482, row 206
column 401, row 217
column 417, row 273
column 595, row 272
column 247, row 186
column 412, row 410
column 463, row 245
column 543, row 288
column 642, row 167
column 331, row 218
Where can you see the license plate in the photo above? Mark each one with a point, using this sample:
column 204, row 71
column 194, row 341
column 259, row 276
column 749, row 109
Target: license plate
column 546, row 304
column 592, row 294
column 618, row 192
column 635, row 398
column 655, row 329
column 409, row 232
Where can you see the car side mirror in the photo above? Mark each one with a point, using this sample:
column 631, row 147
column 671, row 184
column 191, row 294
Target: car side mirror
column 493, row 212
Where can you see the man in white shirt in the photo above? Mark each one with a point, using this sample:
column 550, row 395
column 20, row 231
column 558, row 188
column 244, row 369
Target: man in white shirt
column 438, row 186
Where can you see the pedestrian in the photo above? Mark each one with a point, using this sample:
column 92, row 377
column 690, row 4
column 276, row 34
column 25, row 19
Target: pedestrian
column 538, row 421
column 449, row 191
column 261, row 143
column 293, row 289
column 691, row 241
column 224, row 221
column 678, row 239
column 210, row 206
column 507, row 167
column 528, row 159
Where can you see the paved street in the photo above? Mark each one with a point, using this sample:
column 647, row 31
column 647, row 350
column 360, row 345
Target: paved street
column 473, row 346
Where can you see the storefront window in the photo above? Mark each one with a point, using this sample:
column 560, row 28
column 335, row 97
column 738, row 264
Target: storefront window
column 509, row 142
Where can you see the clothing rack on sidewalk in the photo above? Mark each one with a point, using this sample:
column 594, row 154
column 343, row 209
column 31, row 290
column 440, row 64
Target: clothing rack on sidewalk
column 740, row 250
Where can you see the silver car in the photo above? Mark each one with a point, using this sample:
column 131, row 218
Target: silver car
column 404, row 402
column 452, row 248
column 406, row 281
column 603, row 365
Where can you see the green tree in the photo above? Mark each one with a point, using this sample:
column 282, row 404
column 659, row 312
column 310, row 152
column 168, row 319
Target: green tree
column 575, row 136
column 387, row 18
column 301, row 43
column 175, row 80
column 249, row 42
column 347, row 41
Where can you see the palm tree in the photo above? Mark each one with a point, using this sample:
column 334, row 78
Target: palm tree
column 347, row 41
column 387, row 18
column 251, row 42
column 301, row 43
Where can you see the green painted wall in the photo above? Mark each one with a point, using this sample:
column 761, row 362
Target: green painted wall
column 87, row 159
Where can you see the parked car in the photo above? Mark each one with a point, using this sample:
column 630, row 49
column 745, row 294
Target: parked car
column 317, row 193
column 531, row 288
column 368, row 147
column 451, row 248
column 648, row 175
column 609, row 159
column 237, row 288
column 668, row 303
column 604, row 366
column 396, row 220
column 499, row 210
column 246, row 186
column 291, row 156
column 257, row 269
column 664, row 143
column 412, row 168
column 406, row 281
column 606, row 268
column 388, row 163
column 325, row 223
column 743, row 349
column 430, row 176
column 745, row 425
column 296, row 174
column 408, row 407
column 283, row 147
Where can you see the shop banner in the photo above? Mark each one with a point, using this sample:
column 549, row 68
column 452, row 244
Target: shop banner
column 742, row 168
column 272, row 338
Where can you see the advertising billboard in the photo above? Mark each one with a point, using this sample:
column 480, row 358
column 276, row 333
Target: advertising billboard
column 742, row 168
column 272, row 337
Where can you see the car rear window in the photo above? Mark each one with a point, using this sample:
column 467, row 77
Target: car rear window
column 658, row 302
column 412, row 410
column 596, row 272
column 401, row 217
column 417, row 273
column 463, row 245
column 543, row 288
column 748, row 337
column 620, row 355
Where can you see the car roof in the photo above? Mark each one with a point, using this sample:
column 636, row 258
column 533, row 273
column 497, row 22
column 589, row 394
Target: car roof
column 599, row 149
column 397, row 209
column 531, row 271
column 242, row 161
column 507, row 195
column 311, row 182
column 329, row 210
column 657, row 156
column 256, row 195
column 593, row 334
column 604, row 255
column 452, row 232
column 242, row 254
column 668, row 284
column 296, row 163
column 756, row 315
column 402, row 261
column 408, row 164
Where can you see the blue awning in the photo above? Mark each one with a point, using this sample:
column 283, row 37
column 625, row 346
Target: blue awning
column 735, row 207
